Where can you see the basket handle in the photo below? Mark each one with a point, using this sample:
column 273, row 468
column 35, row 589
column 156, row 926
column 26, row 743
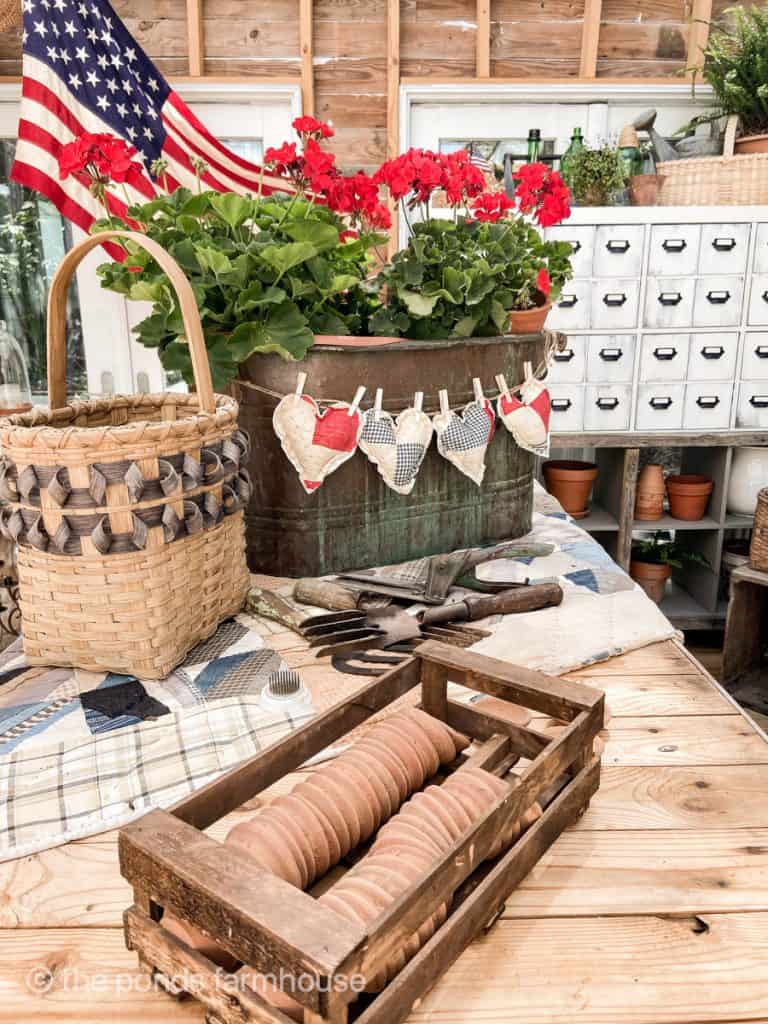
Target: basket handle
column 57, row 316
column 731, row 127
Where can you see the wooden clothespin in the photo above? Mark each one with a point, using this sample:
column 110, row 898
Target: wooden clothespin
column 356, row 401
column 301, row 380
column 418, row 401
column 478, row 388
column 501, row 384
column 377, row 403
column 445, row 407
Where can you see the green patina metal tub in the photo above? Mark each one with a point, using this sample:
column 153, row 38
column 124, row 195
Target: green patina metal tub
column 354, row 520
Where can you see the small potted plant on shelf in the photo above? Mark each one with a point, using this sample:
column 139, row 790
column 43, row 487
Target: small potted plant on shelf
column 597, row 175
column 735, row 60
column 653, row 559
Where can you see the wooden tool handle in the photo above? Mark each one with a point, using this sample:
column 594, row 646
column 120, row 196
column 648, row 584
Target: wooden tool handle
column 57, row 317
column 325, row 594
column 511, row 602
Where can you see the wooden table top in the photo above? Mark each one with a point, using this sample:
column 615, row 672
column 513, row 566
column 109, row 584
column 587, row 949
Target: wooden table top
column 652, row 909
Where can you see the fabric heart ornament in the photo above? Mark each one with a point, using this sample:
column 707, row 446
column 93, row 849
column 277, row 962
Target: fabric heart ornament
column 315, row 442
column 527, row 417
column 463, row 438
column 396, row 446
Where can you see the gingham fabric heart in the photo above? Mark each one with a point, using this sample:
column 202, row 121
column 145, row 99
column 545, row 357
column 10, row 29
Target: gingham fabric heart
column 527, row 417
column 396, row 447
column 463, row 438
column 316, row 443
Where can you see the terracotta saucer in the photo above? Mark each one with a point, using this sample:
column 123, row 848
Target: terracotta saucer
column 267, row 850
column 446, row 740
column 425, row 748
column 346, row 804
column 402, row 746
column 349, row 781
column 375, row 793
column 313, row 830
column 394, row 765
column 317, row 798
column 380, row 778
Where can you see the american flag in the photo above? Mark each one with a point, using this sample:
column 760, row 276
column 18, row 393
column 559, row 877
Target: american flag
column 83, row 71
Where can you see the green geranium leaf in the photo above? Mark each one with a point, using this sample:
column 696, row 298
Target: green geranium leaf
column 256, row 295
column 418, row 305
column 342, row 283
column 196, row 205
column 213, row 260
column 499, row 315
column 146, row 291
column 283, row 257
column 231, row 207
column 322, row 236
column 285, row 332
column 465, row 327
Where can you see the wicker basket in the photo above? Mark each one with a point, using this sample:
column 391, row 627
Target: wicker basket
column 758, row 549
column 127, row 512
column 725, row 180
column 10, row 14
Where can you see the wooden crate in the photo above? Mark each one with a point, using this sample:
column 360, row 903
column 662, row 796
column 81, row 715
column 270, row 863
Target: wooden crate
column 268, row 924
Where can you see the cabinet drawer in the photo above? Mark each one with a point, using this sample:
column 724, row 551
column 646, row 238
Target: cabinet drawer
column 724, row 248
column 674, row 249
column 660, row 406
column 610, row 357
column 568, row 364
column 754, row 363
column 760, row 265
column 752, row 407
column 664, row 357
column 614, row 303
column 669, row 302
column 717, row 301
column 572, row 311
column 707, row 406
column 607, row 406
column 618, row 250
column 713, row 356
column 567, row 407
column 758, row 300
column 582, row 243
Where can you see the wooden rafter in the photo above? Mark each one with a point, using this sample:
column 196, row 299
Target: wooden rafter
column 195, row 38
column 701, row 15
column 306, row 48
column 590, row 35
column 483, row 42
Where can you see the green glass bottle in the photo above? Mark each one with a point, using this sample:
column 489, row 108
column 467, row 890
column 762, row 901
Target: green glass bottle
column 534, row 145
column 568, row 158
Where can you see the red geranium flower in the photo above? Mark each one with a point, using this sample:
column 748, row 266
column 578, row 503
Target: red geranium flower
column 543, row 282
column 312, row 127
column 491, row 206
column 284, row 159
column 542, row 193
column 96, row 158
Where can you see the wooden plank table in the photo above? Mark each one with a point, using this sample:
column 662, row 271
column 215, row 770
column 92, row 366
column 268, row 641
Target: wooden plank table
column 653, row 909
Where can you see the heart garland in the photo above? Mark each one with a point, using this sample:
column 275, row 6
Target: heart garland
column 396, row 446
column 526, row 418
column 463, row 438
column 315, row 442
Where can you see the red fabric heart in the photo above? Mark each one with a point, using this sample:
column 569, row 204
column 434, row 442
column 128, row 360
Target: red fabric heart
column 337, row 430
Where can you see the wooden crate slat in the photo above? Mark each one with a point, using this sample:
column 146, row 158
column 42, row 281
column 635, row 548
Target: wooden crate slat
column 469, row 718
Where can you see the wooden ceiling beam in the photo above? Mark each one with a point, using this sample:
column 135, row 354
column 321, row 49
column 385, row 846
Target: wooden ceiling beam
column 590, row 34
column 483, row 41
column 306, row 47
column 698, row 36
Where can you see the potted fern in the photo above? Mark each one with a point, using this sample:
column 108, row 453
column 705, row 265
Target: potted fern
column 653, row 559
column 736, row 66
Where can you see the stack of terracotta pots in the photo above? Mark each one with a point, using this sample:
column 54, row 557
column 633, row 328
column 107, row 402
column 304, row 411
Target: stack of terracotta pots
column 688, row 495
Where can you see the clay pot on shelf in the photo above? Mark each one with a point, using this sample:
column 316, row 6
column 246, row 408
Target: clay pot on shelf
column 649, row 497
column 570, row 481
column 749, row 474
column 644, row 189
column 528, row 321
column 688, row 495
column 651, row 577
column 751, row 144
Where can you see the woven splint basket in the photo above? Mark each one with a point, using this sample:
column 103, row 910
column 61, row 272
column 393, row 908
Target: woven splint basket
column 127, row 512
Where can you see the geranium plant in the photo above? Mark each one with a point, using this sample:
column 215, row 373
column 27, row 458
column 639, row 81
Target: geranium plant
column 268, row 272
column 461, row 276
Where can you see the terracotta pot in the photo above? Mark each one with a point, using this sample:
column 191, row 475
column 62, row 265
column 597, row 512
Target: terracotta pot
column 349, row 341
column 652, row 578
column 644, row 189
column 688, row 495
column 751, row 144
column 570, row 481
column 506, row 711
column 649, row 498
column 528, row 321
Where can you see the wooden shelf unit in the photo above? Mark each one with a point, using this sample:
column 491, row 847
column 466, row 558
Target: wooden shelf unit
column 694, row 598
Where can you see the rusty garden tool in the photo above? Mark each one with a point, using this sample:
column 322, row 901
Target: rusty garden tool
column 340, row 632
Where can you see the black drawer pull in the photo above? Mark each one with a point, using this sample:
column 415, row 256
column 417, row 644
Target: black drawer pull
column 661, row 403
column 611, row 355
column 665, row 354
column 561, row 404
column 759, row 401
column 614, row 299
column 607, row 403
column 567, row 301
column 707, row 401
column 765, row 296
column 713, row 351
column 565, row 356
column 575, row 245
column 617, row 246
column 671, row 298
column 724, row 244
column 674, row 244
column 718, row 298
column 762, row 351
